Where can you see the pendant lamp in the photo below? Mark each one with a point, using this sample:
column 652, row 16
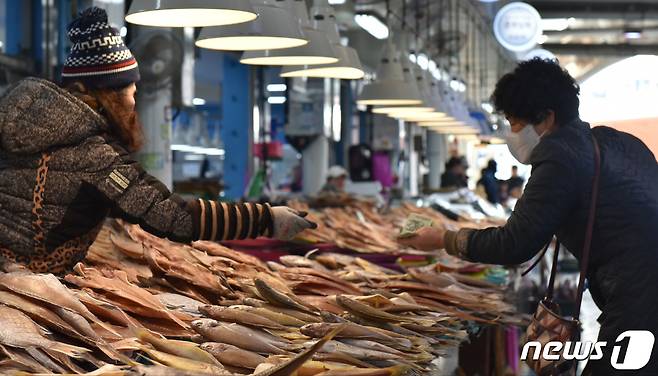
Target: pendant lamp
column 318, row 50
column 192, row 13
column 415, row 74
column 275, row 28
column 348, row 66
column 390, row 87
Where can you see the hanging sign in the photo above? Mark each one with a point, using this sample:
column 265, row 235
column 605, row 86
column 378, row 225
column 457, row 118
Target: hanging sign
column 517, row 26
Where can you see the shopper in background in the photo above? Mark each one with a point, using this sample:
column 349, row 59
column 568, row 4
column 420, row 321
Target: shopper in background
column 540, row 100
column 489, row 182
column 455, row 174
column 336, row 177
column 66, row 164
column 515, row 183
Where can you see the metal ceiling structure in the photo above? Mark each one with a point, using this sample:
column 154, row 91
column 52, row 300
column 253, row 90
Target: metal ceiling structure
column 595, row 37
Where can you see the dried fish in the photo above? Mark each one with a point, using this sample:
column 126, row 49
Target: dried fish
column 184, row 363
column 357, row 352
column 287, row 368
column 235, row 335
column 352, row 330
column 39, row 314
column 18, row 330
column 278, row 317
column 228, row 314
column 367, row 311
column 278, row 298
column 22, row 360
column 391, row 371
column 82, row 326
column 48, row 289
column 180, row 302
column 183, row 349
column 232, row 355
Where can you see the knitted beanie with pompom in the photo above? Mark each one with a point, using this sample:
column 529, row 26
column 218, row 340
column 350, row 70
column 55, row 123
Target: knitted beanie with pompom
column 98, row 56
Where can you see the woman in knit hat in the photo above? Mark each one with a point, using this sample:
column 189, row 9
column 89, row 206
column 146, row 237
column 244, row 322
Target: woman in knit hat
column 66, row 164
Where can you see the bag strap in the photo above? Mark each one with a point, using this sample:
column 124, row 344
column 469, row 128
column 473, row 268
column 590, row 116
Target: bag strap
column 590, row 226
column 537, row 260
column 551, row 281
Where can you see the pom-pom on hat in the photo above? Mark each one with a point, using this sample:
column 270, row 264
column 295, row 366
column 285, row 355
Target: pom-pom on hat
column 98, row 56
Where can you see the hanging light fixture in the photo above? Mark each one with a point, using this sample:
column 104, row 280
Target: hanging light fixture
column 456, row 130
column 192, row 13
column 422, row 116
column 275, row 28
column 424, row 89
column 318, row 50
column 439, row 123
column 348, row 66
column 390, row 87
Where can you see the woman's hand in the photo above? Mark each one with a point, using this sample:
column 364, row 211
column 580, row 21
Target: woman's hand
column 288, row 222
column 425, row 239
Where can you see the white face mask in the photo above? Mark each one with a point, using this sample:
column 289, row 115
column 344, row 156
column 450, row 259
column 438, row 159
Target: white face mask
column 522, row 143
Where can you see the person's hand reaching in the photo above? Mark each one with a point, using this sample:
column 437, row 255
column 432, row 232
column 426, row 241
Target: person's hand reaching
column 288, row 222
column 425, row 239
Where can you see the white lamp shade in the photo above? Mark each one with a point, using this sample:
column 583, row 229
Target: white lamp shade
column 275, row 28
column 401, row 110
column 456, row 130
column 190, row 13
column 390, row 88
column 317, row 51
column 348, row 67
column 423, row 116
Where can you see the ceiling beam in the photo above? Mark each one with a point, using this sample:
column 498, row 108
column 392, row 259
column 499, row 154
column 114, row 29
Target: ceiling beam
column 608, row 50
column 628, row 10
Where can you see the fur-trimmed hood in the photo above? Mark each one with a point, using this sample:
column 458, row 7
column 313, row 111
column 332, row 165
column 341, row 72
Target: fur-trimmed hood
column 36, row 115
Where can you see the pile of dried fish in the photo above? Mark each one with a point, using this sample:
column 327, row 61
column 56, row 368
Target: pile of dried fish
column 206, row 309
column 363, row 228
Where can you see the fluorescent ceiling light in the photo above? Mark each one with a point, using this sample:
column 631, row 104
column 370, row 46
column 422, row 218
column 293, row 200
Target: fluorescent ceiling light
column 198, row 101
column 542, row 39
column 633, row 34
column 276, row 100
column 275, row 28
column 556, row 24
column 423, row 62
column 197, row 149
column 192, row 13
column 372, row 24
column 336, row 2
column 277, row 87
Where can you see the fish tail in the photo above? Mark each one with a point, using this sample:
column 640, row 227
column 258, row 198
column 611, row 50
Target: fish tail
column 399, row 370
column 69, row 350
column 113, row 353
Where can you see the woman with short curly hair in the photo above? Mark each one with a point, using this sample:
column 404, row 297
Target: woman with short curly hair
column 540, row 101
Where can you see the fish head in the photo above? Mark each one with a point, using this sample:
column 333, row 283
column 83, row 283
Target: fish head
column 204, row 323
column 214, row 347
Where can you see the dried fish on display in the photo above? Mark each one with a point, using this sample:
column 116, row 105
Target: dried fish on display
column 208, row 309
